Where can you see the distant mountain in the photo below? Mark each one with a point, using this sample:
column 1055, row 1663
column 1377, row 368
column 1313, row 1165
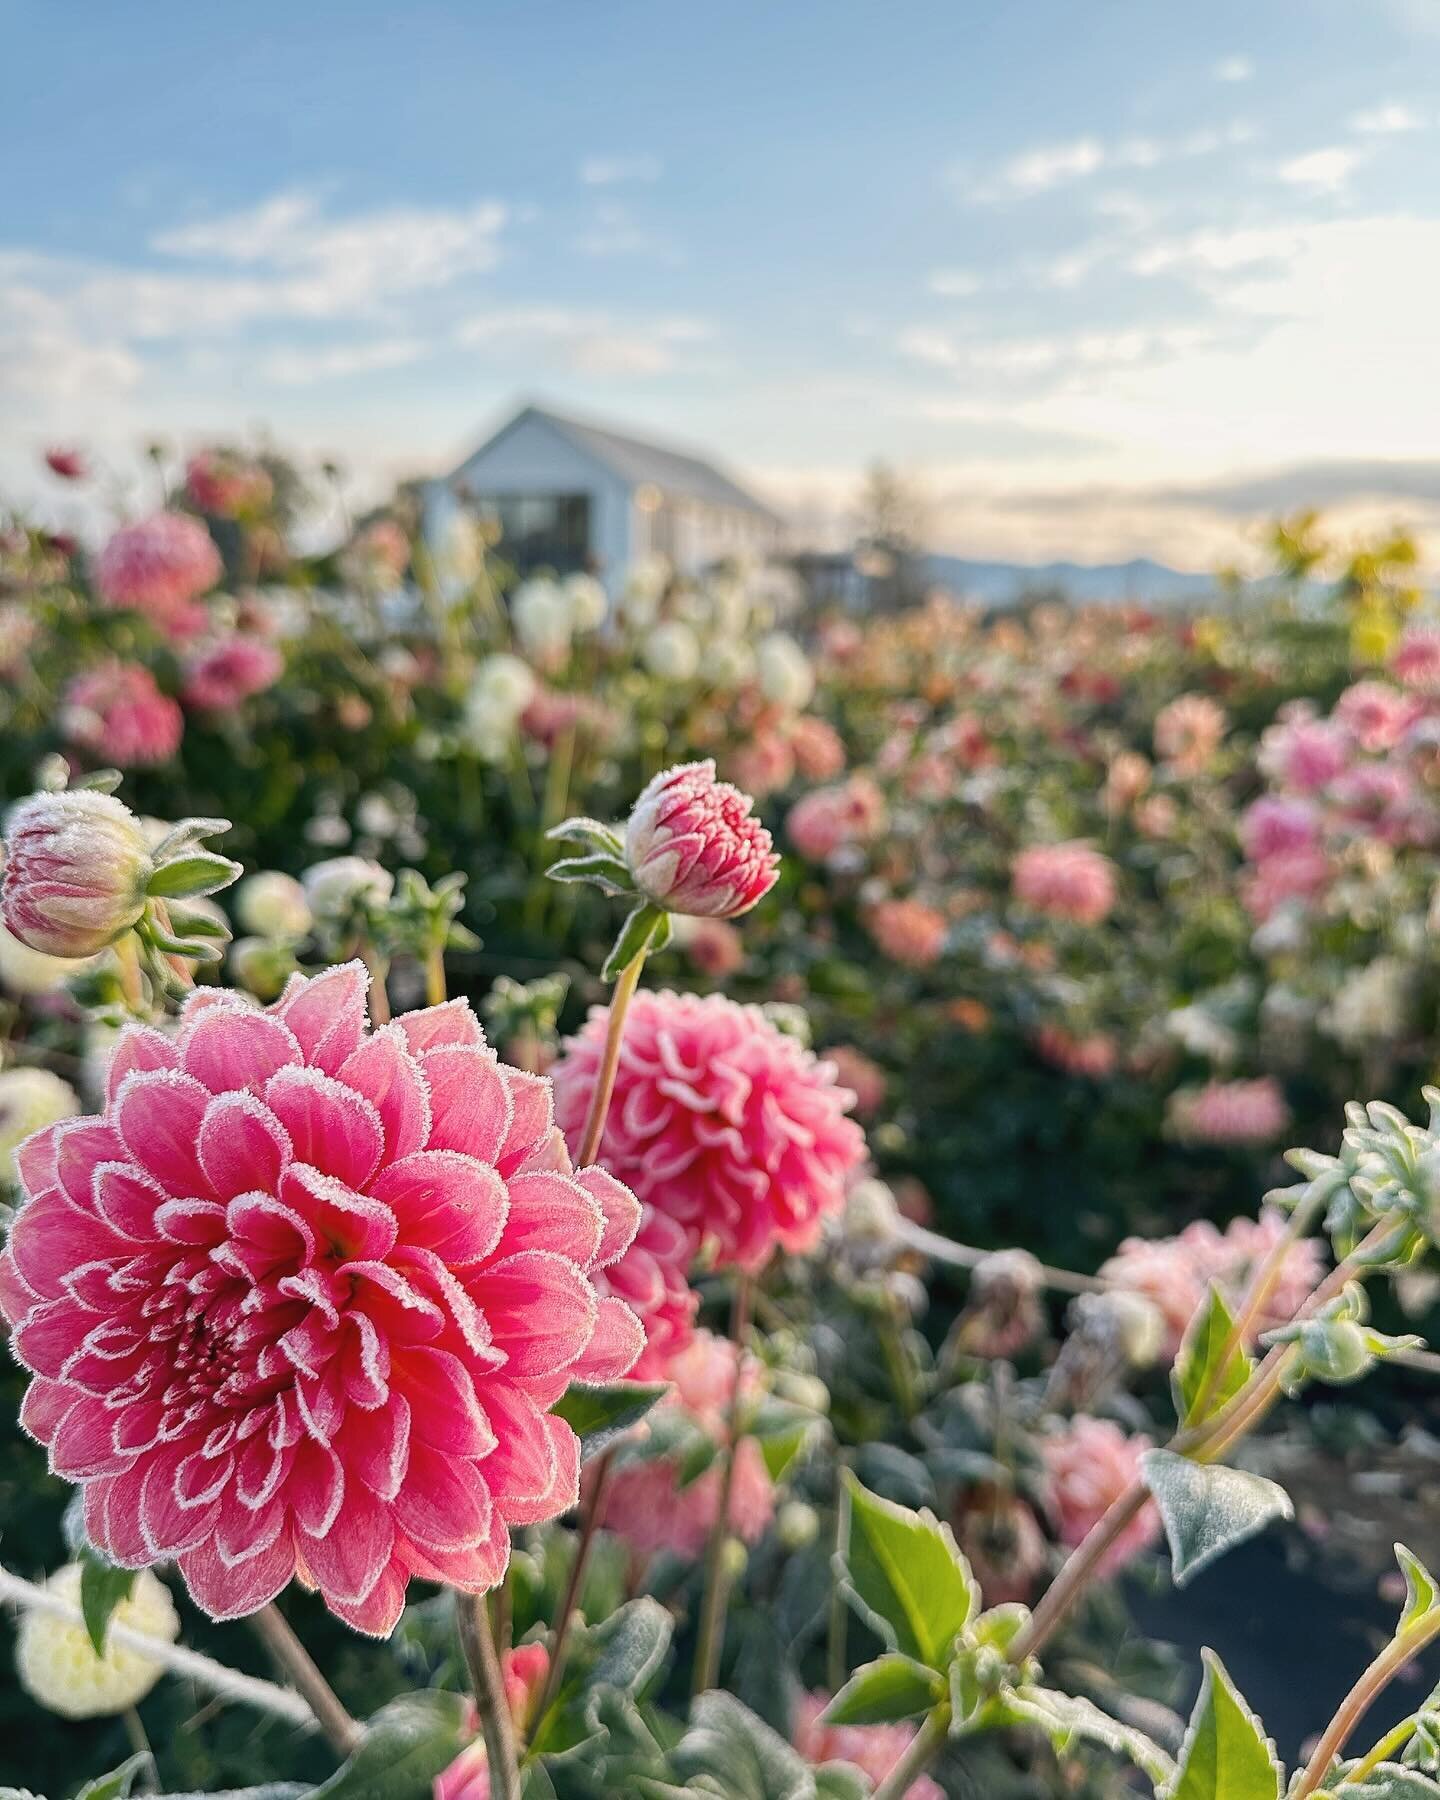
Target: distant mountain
column 999, row 582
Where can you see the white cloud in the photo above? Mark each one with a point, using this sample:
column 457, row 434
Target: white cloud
column 1234, row 68
column 585, row 342
column 614, row 231
column 1387, row 120
column 1326, row 171
column 606, row 171
column 303, row 366
column 955, row 284
column 1048, row 166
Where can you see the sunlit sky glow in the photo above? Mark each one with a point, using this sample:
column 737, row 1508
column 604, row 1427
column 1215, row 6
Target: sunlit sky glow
column 1110, row 279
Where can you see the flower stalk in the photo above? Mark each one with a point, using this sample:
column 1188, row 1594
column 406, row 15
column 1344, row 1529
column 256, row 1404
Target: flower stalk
column 717, row 1573
column 273, row 1627
column 477, row 1640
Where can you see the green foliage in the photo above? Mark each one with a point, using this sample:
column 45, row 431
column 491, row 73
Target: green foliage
column 906, row 1576
column 1204, row 1371
column 406, row 1745
column 599, row 1416
column 1208, row 1509
column 892, row 1687
column 1226, row 1755
column 607, row 1672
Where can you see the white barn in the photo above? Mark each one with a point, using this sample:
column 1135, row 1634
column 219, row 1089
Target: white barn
column 569, row 495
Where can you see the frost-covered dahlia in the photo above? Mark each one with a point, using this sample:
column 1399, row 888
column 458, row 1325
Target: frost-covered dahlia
column 230, row 672
column 1089, row 1465
column 76, row 868
column 873, row 1749
column 30, row 1099
column 1071, row 881
column 908, row 931
column 299, row 1301
column 651, row 1278
column 117, row 713
column 692, row 845
column 1247, row 1113
column 160, row 566
column 719, row 1120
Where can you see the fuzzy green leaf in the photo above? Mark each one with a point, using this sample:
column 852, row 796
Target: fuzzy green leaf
column 600, row 1415
column 884, row 1691
column 1198, row 1368
column 102, row 1587
column 1208, row 1509
column 406, row 1745
column 1069, row 1718
column 608, row 873
column 905, row 1572
column 638, row 934
column 1389, row 1782
column 1421, row 1591
column 196, row 872
column 1226, row 1755
column 604, row 838
column 118, row 1783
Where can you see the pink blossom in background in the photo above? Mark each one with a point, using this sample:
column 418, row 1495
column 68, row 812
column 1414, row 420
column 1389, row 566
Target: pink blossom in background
column 764, row 765
column 831, row 818
column 1376, row 714
column 873, row 1749
column 714, row 947
column 1417, row 661
column 1278, row 825
column 719, row 1120
column 1088, row 1466
column 1165, row 1272
column 1302, row 752
column 160, row 566
column 856, row 1071
column 523, row 1671
column 1189, row 731
column 229, row 672
column 694, row 846
column 1241, row 1249
column 1070, row 881
column 647, row 1506
column 227, row 486
column 552, row 714
column 1229, row 1113
column 1092, row 1054
column 381, row 550
column 298, row 1302
column 652, row 1278
column 908, row 931
column 1295, row 876
column 1382, row 798
column 818, row 747
column 118, row 714
column 69, row 464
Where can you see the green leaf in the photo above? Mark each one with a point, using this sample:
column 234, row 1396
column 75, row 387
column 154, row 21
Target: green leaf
column 621, row 1655
column 102, row 1587
column 1069, row 1718
column 535, row 1784
column 1389, row 1782
column 841, row 1781
column 270, row 1790
column 890, row 1688
column 1226, row 1755
column 640, row 930
column 579, row 830
column 784, row 1432
column 600, row 1415
column 905, row 1572
column 608, row 873
column 118, row 1783
column 1198, row 1368
column 406, row 1745
column 1208, row 1509
column 728, row 1751
column 196, row 872
column 1421, row 1592
column 187, row 832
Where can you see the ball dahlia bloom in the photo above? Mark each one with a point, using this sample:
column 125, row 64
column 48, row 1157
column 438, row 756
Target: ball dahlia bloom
column 75, row 872
column 56, row 1661
column 873, row 1749
column 1226, row 1113
column 908, row 932
column 693, row 847
column 160, row 566
column 298, row 1302
column 831, row 818
column 719, row 1121
column 1070, row 881
column 117, row 713
column 230, row 672
column 1088, row 1466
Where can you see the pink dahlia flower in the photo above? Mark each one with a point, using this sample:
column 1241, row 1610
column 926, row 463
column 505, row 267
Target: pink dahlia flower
column 298, row 1302
column 1068, row 881
column 75, row 869
column 1248, row 1113
column 693, row 847
column 118, row 714
column 1189, row 731
column 908, row 931
column 227, row 486
column 1279, row 825
column 1376, row 714
column 160, row 566
column 230, row 672
column 713, row 946
column 1087, row 1466
column 68, row 464
column 1417, row 661
column 832, row 818
column 1280, row 880
column 651, row 1278
column 819, row 749
column 719, row 1121
column 1302, row 752
column 764, row 764
column 873, row 1749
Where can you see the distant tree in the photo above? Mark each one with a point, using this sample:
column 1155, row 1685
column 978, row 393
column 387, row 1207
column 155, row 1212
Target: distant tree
column 892, row 536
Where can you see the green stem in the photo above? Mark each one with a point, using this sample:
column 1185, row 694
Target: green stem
column 1362, row 1697
column 717, row 1580
column 1392, row 1741
column 609, row 1061
column 435, row 988
column 575, row 1583
column 498, row 1728
column 924, row 1747
column 343, row 1732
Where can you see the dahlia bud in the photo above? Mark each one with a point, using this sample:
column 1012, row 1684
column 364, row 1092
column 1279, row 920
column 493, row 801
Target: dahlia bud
column 693, row 847
column 57, row 1663
column 273, row 905
column 77, row 867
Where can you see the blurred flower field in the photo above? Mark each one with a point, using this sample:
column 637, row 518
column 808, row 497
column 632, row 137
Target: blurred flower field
column 1081, row 918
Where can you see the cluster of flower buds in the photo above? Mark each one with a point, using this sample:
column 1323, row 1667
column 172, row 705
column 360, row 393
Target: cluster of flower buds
column 1382, row 1192
column 80, row 874
column 691, row 845
column 1336, row 1344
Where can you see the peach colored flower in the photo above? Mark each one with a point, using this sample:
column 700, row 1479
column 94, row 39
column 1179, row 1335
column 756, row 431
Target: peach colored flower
column 873, row 1749
column 1189, row 731
column 298, row 1302
column 714, row 947
column 908, row 931
column 1248, row 1113
column 693, row 846
column 160, row 566
column 865, row 1078
column 832, row 818
column 719, row 1121
column 1070, row 881
column 819, row 751
column 1087, row 1466
column 117, row 713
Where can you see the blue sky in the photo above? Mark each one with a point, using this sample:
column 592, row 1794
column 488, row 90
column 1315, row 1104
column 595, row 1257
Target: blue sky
column 1107, row 278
